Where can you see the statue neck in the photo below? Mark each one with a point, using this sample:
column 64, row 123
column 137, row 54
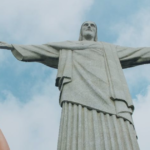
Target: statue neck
column 88, row 38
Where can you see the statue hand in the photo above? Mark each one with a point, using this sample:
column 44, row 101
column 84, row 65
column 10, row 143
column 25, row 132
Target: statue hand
column 4, row 45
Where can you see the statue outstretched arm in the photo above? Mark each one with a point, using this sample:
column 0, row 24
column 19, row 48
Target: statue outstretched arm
column 6, row 46
column 130, row 57
column 45, row 53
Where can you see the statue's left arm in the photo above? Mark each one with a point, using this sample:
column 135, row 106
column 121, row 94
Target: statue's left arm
column 130, row 57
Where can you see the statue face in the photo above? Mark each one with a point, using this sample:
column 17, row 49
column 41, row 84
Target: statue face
column 89, row 30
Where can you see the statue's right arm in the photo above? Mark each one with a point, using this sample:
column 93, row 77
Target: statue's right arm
column 6, row 46
column 45, row 53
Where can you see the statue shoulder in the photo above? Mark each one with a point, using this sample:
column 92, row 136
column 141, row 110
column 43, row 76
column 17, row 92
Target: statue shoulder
column 64, row 45
column 107, row 44
column 59, row 44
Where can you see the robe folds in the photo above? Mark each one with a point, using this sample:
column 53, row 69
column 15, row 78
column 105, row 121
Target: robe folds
column 89, row 73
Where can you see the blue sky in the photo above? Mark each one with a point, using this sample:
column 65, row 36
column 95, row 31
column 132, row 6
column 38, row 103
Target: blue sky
column 29, row 109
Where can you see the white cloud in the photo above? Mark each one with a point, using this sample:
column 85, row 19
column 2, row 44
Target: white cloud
column 41, row 21
column 35, row 124
column 135, row 32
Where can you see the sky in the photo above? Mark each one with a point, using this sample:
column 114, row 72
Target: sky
column 29, row 107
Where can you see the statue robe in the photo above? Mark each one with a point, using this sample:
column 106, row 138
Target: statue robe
column 89, row 73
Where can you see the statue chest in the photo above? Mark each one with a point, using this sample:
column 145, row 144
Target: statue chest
column 90, row 64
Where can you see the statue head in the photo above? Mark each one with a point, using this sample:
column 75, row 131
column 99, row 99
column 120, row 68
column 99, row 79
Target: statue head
column 88, row 31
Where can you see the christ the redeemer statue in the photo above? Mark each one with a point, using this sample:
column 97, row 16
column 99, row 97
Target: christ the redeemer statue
column 96, row 104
